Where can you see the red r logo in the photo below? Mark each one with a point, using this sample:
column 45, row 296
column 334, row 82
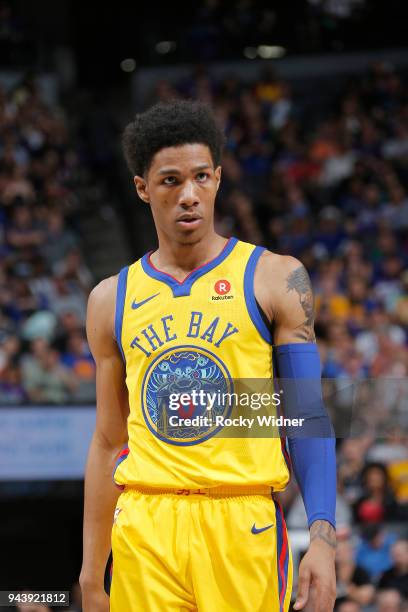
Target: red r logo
column 222, row 287
column 185, row 412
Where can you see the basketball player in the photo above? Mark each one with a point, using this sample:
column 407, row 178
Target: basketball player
column 197, row 525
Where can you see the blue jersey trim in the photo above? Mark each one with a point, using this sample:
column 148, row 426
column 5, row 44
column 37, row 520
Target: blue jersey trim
column 184, row 288
column 250, row 300
column 120, row 303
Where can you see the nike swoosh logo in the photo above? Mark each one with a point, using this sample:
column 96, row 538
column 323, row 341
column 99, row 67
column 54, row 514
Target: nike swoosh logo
column 138, row 304
column 255, row 530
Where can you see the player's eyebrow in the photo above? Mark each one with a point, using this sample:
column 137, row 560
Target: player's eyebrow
column 175, row 171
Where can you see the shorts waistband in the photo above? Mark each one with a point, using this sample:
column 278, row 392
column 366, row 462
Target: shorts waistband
column 224, row 491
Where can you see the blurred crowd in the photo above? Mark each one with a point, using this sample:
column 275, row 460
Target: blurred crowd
column 44, row 282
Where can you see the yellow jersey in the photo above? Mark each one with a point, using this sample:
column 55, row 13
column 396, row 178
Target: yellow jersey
column 179, row 339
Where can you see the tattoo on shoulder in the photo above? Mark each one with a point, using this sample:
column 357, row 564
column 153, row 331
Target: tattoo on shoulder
column 322, row 530
column 299, row 281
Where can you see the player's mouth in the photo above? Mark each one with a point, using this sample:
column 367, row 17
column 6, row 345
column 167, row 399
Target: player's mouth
column 189, row 221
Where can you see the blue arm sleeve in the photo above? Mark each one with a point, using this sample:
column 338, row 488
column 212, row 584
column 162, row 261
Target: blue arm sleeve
column 313, row 446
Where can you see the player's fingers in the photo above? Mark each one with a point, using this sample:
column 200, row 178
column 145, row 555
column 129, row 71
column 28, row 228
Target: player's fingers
column 303, row 589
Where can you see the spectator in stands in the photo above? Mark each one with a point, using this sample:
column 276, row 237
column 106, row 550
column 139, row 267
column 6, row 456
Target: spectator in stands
column 351, row 460
column 398, row 471
column 58, row 240
column 330, row 298
column 353, row 582
column 45, row 378
column 10, row 347
column 23, row 232
column 374, row 551
column 330, row 233
column 12, row 391
column 377, row 504
column 392, row 448
column 401, row 305
column 79, row 361
column 21, row 303
column 68, row 300
column 395, row 212
column 396, row 578
column 41, row 283
column 73, row 270
column 377, row 323
column 389, row 601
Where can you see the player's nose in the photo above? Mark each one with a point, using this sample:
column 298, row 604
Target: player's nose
column 188, row 194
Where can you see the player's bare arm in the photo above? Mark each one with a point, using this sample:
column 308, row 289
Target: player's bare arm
column 284, row 292
column 110, row 435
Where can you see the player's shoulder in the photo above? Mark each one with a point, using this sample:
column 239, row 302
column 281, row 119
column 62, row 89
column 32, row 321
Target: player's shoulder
column 275, row 276
column 102, row 299
column 100, row 321
column 275, row 269
column 104, row 293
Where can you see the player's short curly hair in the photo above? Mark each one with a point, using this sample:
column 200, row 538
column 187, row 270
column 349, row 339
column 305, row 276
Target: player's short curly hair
column 170, row 124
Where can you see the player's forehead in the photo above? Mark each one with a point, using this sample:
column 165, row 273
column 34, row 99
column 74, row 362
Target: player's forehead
column 182, row 158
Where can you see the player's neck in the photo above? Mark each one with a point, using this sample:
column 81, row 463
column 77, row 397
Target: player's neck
column 178, row 259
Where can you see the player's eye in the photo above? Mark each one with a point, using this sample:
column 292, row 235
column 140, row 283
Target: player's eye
column 202, row 176
column 169, row 180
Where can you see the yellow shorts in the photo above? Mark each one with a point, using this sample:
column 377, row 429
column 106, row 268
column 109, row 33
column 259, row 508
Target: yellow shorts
column 195, row 551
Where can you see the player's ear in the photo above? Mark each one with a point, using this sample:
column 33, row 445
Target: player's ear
column 217, row 173
column 141, row 188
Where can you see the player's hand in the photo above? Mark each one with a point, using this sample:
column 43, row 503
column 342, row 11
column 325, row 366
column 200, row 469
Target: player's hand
column 94, row 599
column 317, row 570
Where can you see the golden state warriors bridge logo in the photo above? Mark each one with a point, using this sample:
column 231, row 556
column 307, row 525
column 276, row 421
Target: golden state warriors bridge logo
column 182, row 395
